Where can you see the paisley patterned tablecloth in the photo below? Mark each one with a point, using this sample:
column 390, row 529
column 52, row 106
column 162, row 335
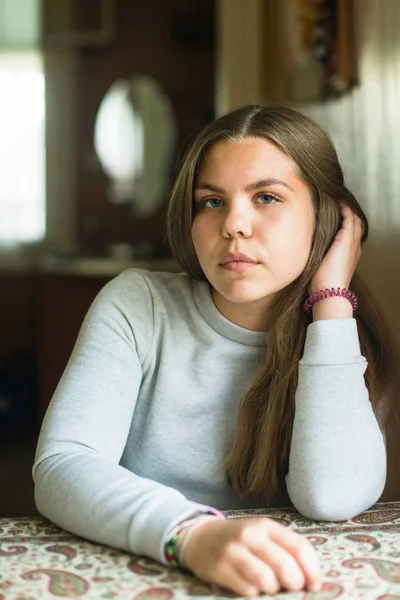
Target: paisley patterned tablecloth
column 360, row 559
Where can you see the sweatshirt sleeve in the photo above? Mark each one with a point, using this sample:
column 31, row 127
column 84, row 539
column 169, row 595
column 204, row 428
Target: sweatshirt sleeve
column 337, row 465
column 79, row 484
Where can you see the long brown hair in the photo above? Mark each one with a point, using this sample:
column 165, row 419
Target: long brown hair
column 261, row 447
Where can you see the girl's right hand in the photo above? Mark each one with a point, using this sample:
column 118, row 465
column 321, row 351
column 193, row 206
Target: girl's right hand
column 252, row 556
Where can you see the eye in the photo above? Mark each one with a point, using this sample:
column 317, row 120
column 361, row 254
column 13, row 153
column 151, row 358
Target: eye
column 211, row 203
column 267, row 198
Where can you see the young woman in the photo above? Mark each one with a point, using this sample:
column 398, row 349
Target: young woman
column 237, row 383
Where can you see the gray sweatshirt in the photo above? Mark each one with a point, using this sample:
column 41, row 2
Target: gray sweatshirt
column 145, row 413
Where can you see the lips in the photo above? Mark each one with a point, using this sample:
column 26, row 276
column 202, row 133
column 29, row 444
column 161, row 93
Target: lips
column 237, row 257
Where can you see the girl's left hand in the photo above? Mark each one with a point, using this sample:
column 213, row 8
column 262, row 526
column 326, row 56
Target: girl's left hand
column 339, row 264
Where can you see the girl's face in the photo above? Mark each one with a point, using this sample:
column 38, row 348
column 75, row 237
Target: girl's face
column 253, row 226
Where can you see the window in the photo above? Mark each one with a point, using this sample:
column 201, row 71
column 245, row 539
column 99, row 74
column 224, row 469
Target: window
column 22, row 147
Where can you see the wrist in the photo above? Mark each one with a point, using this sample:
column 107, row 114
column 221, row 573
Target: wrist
column 187, row 542
column 335, row 307
column 316, row 286
column 186, row 533
column 331, row 303
column 174, row 546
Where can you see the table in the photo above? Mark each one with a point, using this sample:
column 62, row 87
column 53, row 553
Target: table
column 360, row 559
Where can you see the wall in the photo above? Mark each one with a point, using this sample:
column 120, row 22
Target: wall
column 365, row 126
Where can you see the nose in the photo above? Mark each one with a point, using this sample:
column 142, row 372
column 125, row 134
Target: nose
column 237, row 221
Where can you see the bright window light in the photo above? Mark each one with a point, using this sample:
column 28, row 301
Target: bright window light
column 22, row 148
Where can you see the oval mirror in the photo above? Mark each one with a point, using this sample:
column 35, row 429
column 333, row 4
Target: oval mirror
column 134, row 139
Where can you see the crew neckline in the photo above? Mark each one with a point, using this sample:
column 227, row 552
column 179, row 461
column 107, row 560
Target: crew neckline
column 206, row 307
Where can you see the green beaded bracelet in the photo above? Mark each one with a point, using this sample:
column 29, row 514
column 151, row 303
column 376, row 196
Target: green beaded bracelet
column 170, row 549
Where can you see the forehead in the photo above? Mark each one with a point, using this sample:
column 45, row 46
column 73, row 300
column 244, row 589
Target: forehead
column 245, row 156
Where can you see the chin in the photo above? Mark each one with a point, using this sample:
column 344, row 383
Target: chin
column 243, row 294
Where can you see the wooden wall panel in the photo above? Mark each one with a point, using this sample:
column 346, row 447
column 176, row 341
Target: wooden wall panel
column 173, row 42
column 17, row 352
column 365, row 126
column 17, row 308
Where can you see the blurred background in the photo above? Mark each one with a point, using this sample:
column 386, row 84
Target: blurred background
column 98, row 98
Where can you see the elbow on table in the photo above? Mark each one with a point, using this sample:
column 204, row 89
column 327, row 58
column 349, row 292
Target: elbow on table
column 332, row 493
column 334, row 506
column 320, row 511
column 41, row 503
column 40, row 495
column 43, row 490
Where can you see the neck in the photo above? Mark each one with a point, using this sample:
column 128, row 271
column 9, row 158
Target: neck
column 249, row 315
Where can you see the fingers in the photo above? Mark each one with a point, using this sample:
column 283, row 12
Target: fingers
column 243, row 573
column 279, row 557
column 252, row 557
column 256, row 572
column 284, row 565
column 352, row 222
column 301, row 551
column 232, row 580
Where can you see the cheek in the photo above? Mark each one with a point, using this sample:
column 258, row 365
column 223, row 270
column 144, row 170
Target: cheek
column 301, row 241
column 195, row 229
column 198, row 235
column 293, row 243
column 302, row 252
column 202, row 230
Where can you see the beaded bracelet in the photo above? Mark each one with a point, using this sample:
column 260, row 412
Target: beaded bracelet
column 170, row 549
column 317, row 296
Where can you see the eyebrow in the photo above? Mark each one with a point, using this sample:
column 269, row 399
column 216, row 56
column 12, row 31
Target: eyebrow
column 249, row 188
